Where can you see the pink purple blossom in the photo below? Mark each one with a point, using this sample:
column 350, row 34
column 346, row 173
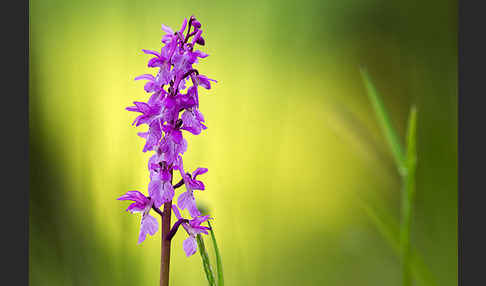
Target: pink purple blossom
column 171, row 111
column 141, row 204
column 193, row 227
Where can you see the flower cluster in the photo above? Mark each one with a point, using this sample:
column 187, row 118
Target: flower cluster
column 173, row 107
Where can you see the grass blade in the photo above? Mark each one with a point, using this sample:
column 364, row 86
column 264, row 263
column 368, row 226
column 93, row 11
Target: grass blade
column 385, row 122
column 408, row 195
column 205, row 260
column 388, row 227
column 219, row 263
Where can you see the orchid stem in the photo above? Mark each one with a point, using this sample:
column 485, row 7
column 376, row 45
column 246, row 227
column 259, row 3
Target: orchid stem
column 165, row 246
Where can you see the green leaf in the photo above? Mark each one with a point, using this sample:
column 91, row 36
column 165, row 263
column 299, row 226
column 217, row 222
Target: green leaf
column 219, row 263
column 205, row 260
column 385, row 122
column 388, row 227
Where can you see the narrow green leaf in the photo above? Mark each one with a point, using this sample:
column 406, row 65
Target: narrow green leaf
column 388, row 227
column 219, row 263
column 385, row 122
column 408, row 195
column 205, row 260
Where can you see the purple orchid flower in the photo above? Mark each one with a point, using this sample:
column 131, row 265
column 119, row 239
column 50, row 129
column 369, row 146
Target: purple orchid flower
column 204, row 81
column 172, row 144
column 193, row 227
column 156, row 61
column 192, row 121
column 160, row 187
column 142, row 204
column 153, row 84
column 169, row 36
column 189, row 99
column 149, row 111
column 171, row 109
column 173, row 106
column 152, row 136
column 186, row 200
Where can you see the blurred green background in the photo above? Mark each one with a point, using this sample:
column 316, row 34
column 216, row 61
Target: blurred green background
column 293, row 147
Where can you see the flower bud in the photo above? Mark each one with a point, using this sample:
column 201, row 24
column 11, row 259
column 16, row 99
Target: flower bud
column 196, row 24
column 200, row 41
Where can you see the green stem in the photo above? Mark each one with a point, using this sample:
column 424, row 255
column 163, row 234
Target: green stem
column 219, row 263
column 405, row 237
column 408, row 195
column 389, row 228
column 406, row 164
column 205, row 260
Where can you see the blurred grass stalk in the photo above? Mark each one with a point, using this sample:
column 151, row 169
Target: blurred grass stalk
column 219, row 263
column 406, row 165
column 207, row 263
column 389, row 228
column 205, row 260
column 408, row 195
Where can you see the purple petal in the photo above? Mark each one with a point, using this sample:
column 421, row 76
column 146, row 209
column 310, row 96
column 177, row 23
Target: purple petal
column 198, row 220
column 186, row 201
column 176, row 212
column 191, row 123
column 176, row 136
column 132, row 108
column 155, row 98
column 190, row 246
column 145, row 76
column 199, row 171
column 161, row 191
column 167, row 29
column 166, row 39
column 204, row 81
column 192, row 208
column 201, row 229
column 179, row 165
column 142, row 106
column 167, row 192
column 149, row 225
column 154, row 190
column 197, row 185
column 156, row 62
column 135, row 196
column 165, row 175
column 151, row 52
column 154, row 135
column 200, row 41
column 198, row 114
column 196, row 36
column 136, row 207
column 196, row 23
column 200, row 54
column 150, row 86
column 184, row 24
